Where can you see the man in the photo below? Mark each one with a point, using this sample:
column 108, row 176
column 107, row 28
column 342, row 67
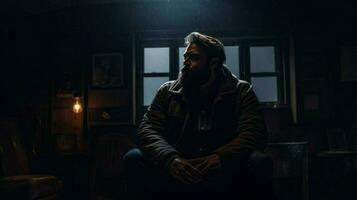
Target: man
column 203, row 133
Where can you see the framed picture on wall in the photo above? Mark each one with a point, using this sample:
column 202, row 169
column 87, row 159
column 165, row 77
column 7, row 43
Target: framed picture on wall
column 107, row 70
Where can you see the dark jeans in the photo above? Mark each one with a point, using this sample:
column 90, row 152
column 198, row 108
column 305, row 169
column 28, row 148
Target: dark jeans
column 250, row 177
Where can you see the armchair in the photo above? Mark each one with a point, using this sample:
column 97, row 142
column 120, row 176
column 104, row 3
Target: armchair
column 16, row 180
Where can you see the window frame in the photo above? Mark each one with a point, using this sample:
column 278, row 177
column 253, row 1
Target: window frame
column 279, row 69
column 153, row 43
column 244, row 44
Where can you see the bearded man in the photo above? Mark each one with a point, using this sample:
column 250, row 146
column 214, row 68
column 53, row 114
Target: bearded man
column 204, row 133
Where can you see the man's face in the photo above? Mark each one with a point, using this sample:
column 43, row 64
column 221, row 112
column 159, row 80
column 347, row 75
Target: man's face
column 195, row 58
column 196, row 70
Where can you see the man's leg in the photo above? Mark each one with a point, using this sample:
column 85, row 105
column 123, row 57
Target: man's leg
column 135, row 173
column 247, row 177
column 223, row 183
column 144, row 181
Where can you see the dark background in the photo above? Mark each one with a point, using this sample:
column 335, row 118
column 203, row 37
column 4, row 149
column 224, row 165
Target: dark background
column 45, row 44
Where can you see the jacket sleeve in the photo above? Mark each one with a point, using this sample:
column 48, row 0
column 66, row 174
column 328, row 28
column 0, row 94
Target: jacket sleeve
column 250, row 125
column 151, row 139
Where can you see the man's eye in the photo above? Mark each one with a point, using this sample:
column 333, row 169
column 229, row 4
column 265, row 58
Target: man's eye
column 194, row 57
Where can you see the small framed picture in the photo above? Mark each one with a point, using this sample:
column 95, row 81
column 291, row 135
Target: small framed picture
column 107, row 70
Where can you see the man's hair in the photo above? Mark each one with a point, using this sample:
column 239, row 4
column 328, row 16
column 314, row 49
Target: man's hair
column 211, row 45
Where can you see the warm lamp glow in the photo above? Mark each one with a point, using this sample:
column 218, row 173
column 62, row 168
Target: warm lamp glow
column 77, row 107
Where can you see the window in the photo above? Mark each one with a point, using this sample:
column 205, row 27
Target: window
column 256, row 61
column 156, row 71
column 232, row 59
column 263, row 73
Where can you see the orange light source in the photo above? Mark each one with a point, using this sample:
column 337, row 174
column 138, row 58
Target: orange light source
column 77, row 107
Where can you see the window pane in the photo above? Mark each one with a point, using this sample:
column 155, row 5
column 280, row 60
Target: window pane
column 262, row 59
column 232, row 59
column 156, row 60
column 265, row 88
column 151, row 85
column 181, row 51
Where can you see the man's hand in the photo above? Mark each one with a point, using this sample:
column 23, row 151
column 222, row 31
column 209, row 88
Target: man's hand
column 207, row 163
column 182, row 170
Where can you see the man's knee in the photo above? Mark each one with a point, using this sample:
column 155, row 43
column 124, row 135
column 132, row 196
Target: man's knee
column 133, row 157
column 260, row 164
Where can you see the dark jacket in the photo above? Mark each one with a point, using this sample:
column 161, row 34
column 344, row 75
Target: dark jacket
column 238, row 125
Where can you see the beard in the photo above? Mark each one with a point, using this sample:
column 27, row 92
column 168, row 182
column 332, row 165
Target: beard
column 191, row 81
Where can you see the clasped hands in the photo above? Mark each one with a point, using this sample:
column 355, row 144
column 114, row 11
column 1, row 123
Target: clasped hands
column 190, row 171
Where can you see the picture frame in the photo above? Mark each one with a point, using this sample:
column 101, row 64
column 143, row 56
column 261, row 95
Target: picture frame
column 107, row 70
column 311, row 102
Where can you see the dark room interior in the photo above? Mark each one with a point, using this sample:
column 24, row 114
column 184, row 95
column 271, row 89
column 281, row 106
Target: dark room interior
column 66, row 120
